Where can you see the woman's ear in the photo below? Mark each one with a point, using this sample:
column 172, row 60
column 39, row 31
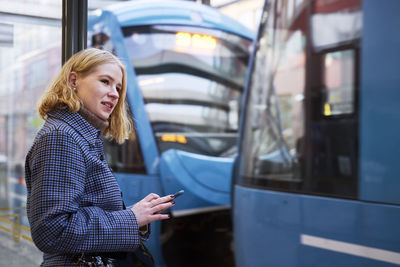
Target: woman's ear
column 72, row 78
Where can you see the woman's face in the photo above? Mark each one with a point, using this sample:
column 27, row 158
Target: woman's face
column 99, row 90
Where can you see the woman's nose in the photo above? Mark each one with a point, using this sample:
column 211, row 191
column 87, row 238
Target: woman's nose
column 114, row 93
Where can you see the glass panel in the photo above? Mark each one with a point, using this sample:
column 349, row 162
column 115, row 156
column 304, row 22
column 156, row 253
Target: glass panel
column 192, row 81
column 275, row 118
column 30, row 56
column 339, row 82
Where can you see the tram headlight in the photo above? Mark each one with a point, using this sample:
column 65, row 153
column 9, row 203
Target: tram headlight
column 185, row 40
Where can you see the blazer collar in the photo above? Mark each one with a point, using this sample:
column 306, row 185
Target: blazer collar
column 76, row 121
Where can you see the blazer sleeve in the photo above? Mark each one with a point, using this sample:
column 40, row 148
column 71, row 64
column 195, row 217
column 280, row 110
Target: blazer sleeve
column 59, row 224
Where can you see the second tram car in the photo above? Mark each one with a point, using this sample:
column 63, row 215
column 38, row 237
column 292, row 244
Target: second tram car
column 316, row 182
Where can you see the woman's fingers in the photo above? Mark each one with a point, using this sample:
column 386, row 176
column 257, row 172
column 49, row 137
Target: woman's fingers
column 159, row 216
column 151, row 196
column 161, row 207
column 160, row 200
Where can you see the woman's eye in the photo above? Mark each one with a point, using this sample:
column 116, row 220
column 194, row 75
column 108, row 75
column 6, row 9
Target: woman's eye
column 118, row 89
column 104, row 81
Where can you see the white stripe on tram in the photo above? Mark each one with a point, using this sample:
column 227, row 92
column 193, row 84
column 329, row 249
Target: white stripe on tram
column 352, row 249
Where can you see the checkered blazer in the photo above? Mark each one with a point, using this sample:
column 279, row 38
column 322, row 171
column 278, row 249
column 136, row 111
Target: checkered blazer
column 74, row 203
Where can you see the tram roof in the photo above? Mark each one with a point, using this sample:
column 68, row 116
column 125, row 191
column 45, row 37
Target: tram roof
column 175, row 12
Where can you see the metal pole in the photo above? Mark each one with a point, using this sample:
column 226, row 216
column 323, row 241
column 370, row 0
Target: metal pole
column 74, row 27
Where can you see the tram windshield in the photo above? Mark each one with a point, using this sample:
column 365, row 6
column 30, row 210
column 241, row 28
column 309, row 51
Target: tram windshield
column 275, row 118
column 192, row 81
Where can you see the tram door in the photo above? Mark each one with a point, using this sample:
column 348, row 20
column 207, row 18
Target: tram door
column 332, row 121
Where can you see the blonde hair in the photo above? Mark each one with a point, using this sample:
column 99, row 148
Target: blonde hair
column 61, row 95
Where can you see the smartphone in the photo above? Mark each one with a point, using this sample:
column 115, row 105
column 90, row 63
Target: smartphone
column 179, row 193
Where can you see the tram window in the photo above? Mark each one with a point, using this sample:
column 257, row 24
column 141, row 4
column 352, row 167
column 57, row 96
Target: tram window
column 332, row 91
column 192, row 80
column 301, row 124
column 126, row 157
column 338, row 83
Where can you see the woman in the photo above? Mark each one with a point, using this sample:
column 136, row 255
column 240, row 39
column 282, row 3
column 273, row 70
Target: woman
column 74, row 203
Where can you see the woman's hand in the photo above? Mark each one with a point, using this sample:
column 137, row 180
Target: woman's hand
column 149, row 208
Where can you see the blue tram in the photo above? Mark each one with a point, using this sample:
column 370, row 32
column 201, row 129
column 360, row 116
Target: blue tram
column 316, row 182
column 186, row 66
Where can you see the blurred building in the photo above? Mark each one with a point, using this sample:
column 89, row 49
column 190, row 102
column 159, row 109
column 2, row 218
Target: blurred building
column 248, row 12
